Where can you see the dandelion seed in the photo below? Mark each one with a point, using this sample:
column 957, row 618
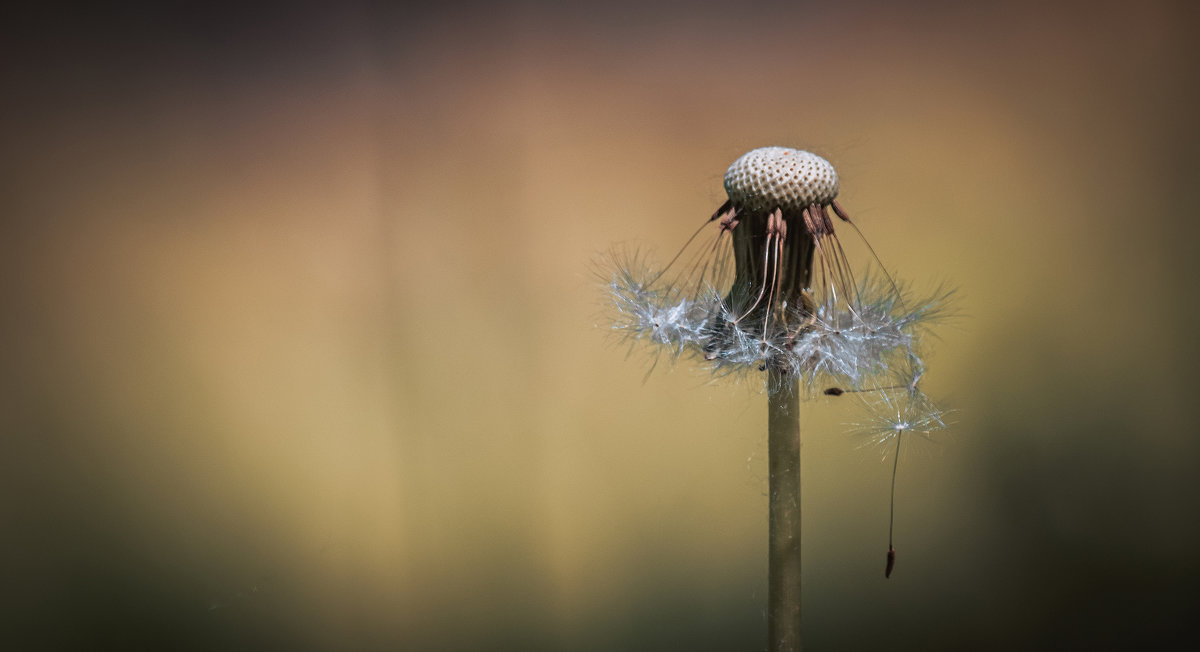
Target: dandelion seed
column 891, row 553
column 897, row 410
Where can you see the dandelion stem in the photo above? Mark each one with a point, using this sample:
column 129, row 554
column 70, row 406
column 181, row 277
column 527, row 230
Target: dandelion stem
column 783, row 563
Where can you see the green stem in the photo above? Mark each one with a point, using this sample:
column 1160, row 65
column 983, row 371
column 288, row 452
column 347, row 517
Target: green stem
column 783, row 564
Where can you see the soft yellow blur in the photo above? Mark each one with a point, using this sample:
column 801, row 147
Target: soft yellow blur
column 335, row 343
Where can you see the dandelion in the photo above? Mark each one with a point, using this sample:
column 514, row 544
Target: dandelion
column 788, row 301
column 764, row 286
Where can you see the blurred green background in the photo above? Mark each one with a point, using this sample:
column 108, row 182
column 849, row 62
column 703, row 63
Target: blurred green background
column 302, row 347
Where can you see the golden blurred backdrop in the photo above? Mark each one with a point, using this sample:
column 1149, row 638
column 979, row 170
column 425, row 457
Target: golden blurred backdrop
column 304, row 348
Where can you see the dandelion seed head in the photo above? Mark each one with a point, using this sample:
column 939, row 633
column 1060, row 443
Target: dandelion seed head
column 780, row 177
column 765, row 284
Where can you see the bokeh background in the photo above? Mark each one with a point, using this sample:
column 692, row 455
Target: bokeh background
column 303, row 346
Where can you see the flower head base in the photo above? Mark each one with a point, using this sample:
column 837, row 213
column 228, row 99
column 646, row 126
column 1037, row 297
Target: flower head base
column 771, row 177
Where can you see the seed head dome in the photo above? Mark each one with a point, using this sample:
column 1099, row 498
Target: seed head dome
column 767, row 178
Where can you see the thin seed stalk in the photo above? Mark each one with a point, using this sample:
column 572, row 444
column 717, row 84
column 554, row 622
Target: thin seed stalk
column 783, row 565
